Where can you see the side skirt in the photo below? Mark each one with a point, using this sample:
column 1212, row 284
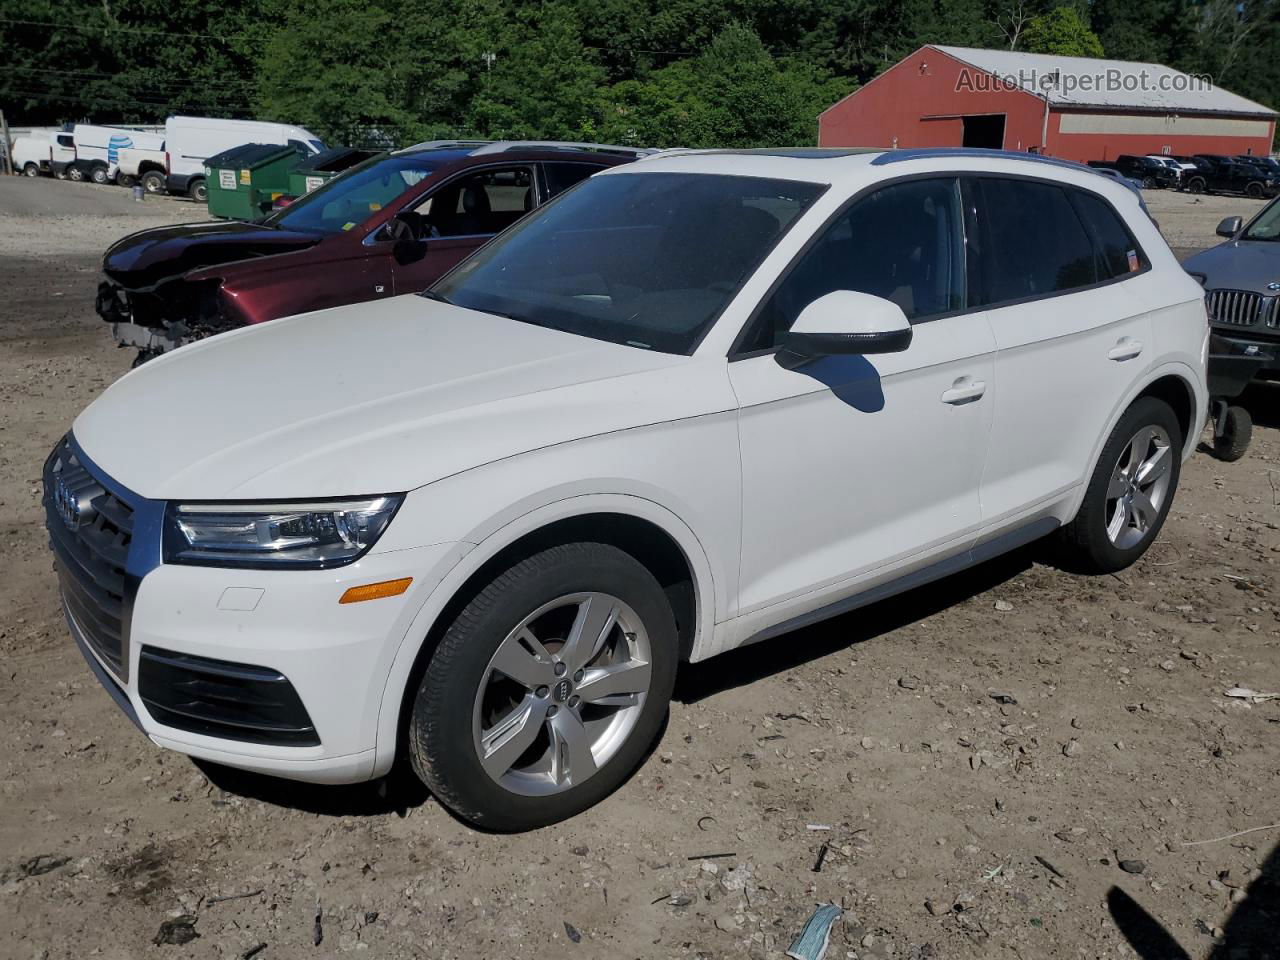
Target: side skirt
column 1004, row 543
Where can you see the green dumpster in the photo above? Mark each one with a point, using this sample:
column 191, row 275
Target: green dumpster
column 314, row 170
column 244, row 181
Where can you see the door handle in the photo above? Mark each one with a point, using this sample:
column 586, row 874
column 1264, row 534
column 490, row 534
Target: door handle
column 964, row 390
column 379, row 288
column 1126, row 348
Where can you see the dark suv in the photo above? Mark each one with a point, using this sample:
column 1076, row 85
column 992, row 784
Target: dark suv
column 1147, row 171
column 391, row 225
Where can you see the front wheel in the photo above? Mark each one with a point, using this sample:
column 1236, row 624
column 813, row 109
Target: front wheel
column 198, row 191
column 153, row 181
column 31, row 170
column 75, row 173
column 1196, row 185
column 1254, row 190
column 99, row 175
column 1130, row 492
column 547, row 689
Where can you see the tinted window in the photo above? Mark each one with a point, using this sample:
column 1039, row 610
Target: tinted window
column 1117, row 252
column 903, row 243
column 1035, row 244
column 562, row 176
column 645, row 259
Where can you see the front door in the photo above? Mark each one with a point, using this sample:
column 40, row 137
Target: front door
column 460, row 216
column 852, row 465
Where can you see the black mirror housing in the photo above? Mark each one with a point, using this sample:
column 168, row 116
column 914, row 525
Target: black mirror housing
column 1229, row 227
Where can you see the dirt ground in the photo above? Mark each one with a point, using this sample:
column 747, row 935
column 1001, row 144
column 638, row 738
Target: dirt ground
column 1013, row 763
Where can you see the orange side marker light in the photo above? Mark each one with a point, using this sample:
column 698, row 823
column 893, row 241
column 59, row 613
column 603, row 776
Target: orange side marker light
column 376, row 591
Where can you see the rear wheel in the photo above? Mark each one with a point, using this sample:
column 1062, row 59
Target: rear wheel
column 547, row 689
column 1130, row 492
column 124, row 180
column 1254, row 190
column 197, row 191
column 1237, row 432
column 153, row 181
column 31, row 170
column 1196, row 185
column 1148, row 183
column 99, row 174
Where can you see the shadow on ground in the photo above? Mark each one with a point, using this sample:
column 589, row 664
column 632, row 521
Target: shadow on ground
column 1252, row 931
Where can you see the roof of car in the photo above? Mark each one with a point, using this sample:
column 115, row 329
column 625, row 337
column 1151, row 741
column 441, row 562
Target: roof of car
column 450, row 150
column 854, row 169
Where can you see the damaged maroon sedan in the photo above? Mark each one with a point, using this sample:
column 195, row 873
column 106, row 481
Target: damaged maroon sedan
column 391, row 225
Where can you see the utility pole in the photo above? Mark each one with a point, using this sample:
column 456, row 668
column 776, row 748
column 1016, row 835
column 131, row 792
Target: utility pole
column 4, row 134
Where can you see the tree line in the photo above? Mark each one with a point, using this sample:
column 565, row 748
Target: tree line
column 647, row 72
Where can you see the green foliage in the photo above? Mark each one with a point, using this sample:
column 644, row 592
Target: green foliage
column 1062, row 31
column 654, row 72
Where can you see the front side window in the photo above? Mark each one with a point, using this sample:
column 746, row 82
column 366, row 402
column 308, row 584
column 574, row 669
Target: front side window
column 644, row 259
column 484, row 202
column 1034, row 244
column 352, row 197
column 903, row 242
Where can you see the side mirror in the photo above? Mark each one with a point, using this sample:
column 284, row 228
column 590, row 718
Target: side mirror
column 846, row 323
column 1229, row 227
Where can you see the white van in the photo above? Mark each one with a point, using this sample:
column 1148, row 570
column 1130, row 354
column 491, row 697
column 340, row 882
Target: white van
column 30, row 156
column 190, row 141
column 98, row 148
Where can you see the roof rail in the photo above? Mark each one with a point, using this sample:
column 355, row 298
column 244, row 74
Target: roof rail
column 442, row 144
column 501, row 146
column 927, row 153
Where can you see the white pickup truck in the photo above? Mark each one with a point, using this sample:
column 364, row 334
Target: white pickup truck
column 142, row 165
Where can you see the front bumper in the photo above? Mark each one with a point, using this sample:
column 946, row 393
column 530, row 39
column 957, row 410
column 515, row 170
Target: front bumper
column 336, row 657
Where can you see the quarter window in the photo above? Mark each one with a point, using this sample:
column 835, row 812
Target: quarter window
column 903, row 242
column 1118, row 252
column 1035, row 243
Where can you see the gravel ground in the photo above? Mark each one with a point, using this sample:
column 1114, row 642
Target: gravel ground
column 1007, row 764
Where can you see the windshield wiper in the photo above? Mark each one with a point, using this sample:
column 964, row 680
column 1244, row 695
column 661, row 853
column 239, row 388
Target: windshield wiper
column 437, row 297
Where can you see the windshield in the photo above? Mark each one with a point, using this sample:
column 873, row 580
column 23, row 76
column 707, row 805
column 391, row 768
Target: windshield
column 1267, row 224
column 352, row 197
column 645, row 259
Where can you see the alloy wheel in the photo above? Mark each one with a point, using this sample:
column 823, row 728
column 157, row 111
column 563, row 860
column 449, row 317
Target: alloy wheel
column 1139, row 487
column 561, row 694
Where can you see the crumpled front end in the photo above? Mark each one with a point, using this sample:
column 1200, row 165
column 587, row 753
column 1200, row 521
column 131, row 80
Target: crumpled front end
column 166, row 316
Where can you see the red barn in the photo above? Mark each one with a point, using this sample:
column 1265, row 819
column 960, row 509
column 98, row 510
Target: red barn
column 1072, row 107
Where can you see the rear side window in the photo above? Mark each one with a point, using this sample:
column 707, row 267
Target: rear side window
column 562, row 176
column 1035, row 244
column 1118, row 252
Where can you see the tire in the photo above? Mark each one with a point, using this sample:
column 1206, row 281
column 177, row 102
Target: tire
column 1237, row 431
column 99, row 175
column 1148, row 183
column 31, row 170
column 1196, row 185
column 1254, row 190
column 124, row 180
column 1108, row 534
column 75, row 174
column 153, row 181
column 462, row 693
column 198, row 191
column 61, row 174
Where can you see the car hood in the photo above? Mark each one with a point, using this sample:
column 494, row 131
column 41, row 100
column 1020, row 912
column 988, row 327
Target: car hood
column 376, row 398
column 142, row 260
column 1239, row 265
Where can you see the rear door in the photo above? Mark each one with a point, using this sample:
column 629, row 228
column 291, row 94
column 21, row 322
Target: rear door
column 1071, row 337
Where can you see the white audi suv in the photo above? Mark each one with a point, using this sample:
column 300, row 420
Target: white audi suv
column 694, row 403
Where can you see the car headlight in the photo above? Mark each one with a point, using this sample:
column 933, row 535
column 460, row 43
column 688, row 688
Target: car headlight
column 268, row 535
